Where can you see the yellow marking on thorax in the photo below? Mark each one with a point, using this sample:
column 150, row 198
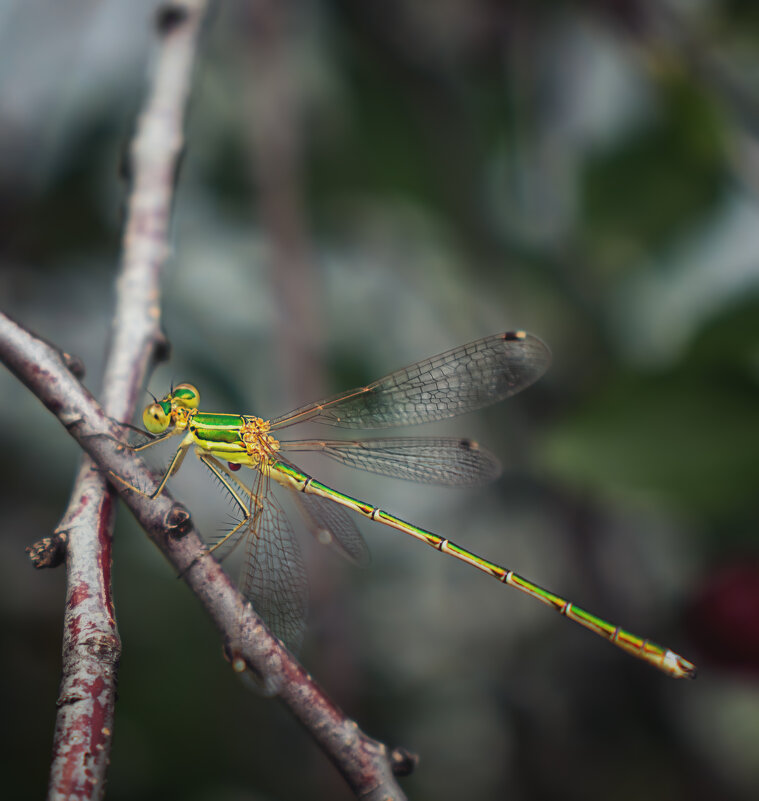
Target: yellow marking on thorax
column 260, row 445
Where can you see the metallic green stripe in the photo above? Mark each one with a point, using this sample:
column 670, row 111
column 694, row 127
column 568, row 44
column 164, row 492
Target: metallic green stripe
column 477, row 561
column 214, row 435
column 347, row 500
column 216, row 428
column 591, row 621
column 289, row 471
column 422, row 534
column 206, row 420
column 537, row 592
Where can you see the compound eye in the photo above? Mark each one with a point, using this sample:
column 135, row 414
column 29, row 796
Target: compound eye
column 186, row 395
column 156, row 417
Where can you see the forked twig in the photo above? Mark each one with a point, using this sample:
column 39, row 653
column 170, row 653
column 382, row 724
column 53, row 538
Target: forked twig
column 91, row 644
column 366, row 764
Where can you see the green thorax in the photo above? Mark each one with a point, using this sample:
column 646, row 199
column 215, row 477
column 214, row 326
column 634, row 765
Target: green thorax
column 213, row 428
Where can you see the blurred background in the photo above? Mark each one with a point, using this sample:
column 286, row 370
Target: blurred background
column 365, row 185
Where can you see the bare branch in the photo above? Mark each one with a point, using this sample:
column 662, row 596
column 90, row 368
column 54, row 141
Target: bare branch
column 366, row 764
column 91, row 644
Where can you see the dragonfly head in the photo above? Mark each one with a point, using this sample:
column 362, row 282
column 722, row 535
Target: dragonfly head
column 161, row 414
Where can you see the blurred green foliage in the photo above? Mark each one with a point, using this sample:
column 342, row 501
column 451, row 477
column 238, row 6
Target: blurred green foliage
column 687, row 435
column 655, row 184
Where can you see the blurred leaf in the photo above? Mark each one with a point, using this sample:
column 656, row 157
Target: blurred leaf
column 382, row 124
column 728, row 343
column 656, row 182
column 741, row 17
column 692, row 441
column 45, row 223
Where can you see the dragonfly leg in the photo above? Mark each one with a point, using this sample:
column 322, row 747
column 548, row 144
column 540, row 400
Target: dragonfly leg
column 176, row 463
column 230, row 482
column 154, row 441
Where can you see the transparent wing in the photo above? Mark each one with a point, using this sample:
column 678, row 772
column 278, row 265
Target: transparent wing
column 273, row 576
column 432, row 460
column 458, row 381
column 332, row 525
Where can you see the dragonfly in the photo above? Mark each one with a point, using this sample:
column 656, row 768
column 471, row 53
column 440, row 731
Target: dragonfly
column 458, row 381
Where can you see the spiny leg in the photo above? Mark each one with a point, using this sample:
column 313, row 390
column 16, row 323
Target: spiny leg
column 273, row 576
column 229, row 481
column 155, row 439
column 218, row 469
column 172, row 469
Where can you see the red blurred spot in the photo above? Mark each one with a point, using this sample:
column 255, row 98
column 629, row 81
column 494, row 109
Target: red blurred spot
column 234, row 467
column 723, row 616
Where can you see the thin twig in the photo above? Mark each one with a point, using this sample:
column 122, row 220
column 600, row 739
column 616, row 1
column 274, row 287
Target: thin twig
column 91, row 644
column 366, row 764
